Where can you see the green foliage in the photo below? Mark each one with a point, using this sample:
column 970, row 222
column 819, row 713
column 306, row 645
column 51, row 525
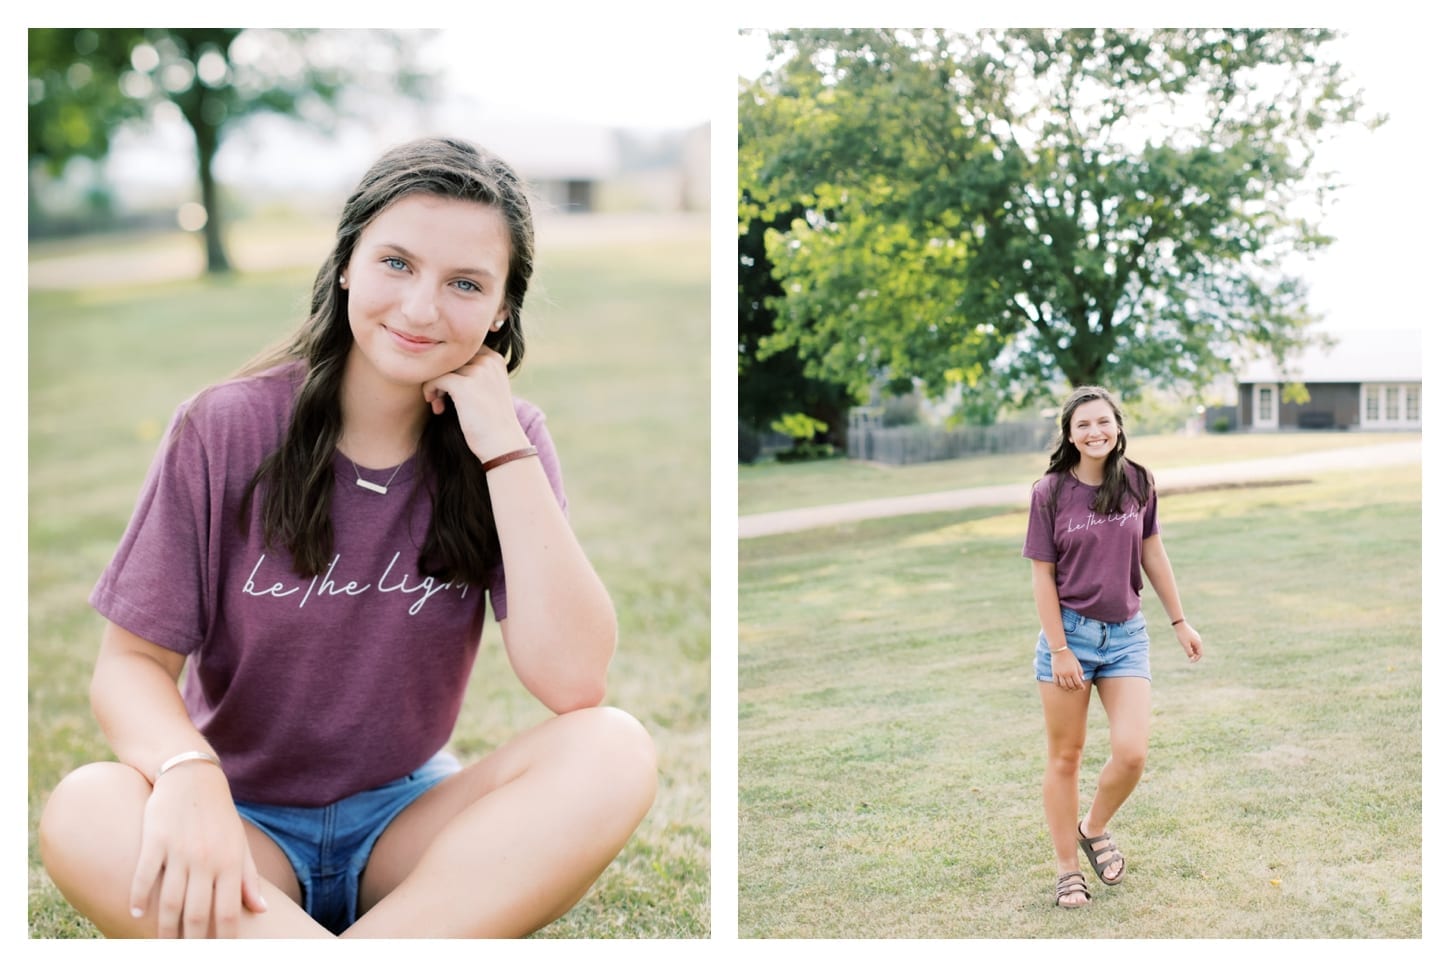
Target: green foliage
column 771, row 382
column 798, row 425
column 85, row 84
column 804, row 430
column 1294, row 393
column 1005, row 209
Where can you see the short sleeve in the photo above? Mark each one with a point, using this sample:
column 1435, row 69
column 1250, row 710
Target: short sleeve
column 1040, row 544
column 1150, row 512
column 531, row 418
column 156, row 584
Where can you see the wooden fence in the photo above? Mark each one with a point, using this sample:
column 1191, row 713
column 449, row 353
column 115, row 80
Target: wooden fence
column 918, row 444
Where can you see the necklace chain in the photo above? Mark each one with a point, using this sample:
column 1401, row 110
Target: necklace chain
column 383, row 487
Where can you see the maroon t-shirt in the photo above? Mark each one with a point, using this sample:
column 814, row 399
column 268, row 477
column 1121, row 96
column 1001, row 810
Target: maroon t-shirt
column 1099, row 557
column 309, row 688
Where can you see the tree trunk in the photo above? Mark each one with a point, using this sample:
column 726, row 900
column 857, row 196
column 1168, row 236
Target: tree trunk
column 206, row 147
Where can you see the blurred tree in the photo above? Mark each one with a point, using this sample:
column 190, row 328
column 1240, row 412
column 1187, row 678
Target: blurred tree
column 1001, row 210
column 773, row 383
column 85, row 84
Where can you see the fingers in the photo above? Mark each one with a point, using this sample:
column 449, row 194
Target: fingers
column 252, row 897
column 227, row 911
column 196, row 916
column 143, row 882
column 170, row 903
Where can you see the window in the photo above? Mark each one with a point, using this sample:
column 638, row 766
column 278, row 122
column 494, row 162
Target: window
column 1388, row 405
column 1266, row 405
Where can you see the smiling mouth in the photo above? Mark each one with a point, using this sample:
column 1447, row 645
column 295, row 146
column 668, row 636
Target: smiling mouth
column 410, row 340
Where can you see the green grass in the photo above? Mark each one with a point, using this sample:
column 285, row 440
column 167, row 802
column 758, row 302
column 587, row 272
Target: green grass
column 618, row 359
column 891, row 740
column 770, row 486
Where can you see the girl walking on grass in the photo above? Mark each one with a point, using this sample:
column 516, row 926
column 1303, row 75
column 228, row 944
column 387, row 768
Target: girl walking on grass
column 315, row 543
column 1091, row 535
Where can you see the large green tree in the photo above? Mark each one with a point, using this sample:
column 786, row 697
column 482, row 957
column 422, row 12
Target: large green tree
column 1007, row 209
column 772, row 385
column 86, row 84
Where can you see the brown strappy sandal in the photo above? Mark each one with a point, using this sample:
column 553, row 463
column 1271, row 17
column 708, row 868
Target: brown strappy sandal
column 1070, row 885
column 1102, row 852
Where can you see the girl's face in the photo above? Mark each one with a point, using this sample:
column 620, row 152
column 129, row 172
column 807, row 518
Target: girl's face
column 425, row 285
column 1093, row 429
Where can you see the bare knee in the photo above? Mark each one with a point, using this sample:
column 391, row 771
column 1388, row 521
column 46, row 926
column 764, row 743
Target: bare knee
column 1064, row 762
column 81, row 819
column 614, row 744
column 1130, row 759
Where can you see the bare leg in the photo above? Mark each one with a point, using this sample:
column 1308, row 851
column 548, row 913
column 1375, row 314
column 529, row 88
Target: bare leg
column 90, row 837
column 1129, row 704
column 1066, row 715
column 512, row 842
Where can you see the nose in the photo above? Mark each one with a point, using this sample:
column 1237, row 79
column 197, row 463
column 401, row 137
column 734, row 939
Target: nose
column 419, row 306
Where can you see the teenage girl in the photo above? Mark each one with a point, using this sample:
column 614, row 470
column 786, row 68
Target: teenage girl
column 1092, row 534
column 314, row 544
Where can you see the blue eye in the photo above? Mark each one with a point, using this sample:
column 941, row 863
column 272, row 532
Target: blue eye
column 393, row 262
column 470, row 285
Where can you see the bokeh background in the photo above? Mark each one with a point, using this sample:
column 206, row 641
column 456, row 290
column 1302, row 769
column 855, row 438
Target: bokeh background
column 150, row 277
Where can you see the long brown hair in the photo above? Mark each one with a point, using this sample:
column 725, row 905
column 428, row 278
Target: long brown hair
column 296, row 480
column 1117, row 480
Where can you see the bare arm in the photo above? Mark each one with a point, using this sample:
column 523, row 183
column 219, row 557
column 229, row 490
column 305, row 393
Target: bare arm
column 560, row 631
column 1049, row 608
column 136, row 701
column 195, row 865
column 1160, row 574
column 1066, row 669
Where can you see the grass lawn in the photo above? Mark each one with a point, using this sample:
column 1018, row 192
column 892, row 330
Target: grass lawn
column 891, row 739
column 770, row 486
column 618, row 359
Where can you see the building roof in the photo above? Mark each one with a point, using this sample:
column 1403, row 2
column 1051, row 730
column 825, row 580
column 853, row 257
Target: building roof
column 1357, row 356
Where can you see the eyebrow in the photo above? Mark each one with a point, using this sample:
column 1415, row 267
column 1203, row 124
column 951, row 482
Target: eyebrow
column 461, row 270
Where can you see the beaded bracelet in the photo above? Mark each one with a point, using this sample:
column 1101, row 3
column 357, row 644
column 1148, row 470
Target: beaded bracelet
column 509, row 457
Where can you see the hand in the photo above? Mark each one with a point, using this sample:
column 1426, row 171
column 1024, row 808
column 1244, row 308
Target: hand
column 1067, row 670
column 480, row 393
column 194, row 857
column 1190, row 640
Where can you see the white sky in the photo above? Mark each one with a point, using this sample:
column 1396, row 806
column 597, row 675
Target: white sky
column 643, row 73
column 1386, row 248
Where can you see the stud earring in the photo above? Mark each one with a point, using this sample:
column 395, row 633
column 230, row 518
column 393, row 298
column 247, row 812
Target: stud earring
column 342, row 281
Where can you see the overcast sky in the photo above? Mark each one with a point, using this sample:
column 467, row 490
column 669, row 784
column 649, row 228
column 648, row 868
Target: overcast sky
column 1385, row 222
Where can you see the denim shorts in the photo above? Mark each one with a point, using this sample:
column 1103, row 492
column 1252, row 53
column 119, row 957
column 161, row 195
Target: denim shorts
column 329, row 846
column 1104, row 650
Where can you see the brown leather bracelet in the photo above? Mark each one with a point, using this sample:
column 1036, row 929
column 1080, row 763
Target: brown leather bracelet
column 1179, row 622
column 509, row 457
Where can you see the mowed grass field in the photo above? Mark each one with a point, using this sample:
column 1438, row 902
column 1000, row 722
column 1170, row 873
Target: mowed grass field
column 891, row 740
column 617, row 359
column 769, row 486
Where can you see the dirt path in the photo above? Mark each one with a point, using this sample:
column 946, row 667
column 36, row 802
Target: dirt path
column 1176, row 478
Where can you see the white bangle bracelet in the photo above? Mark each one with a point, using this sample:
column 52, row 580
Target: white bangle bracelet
column 193, row 756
